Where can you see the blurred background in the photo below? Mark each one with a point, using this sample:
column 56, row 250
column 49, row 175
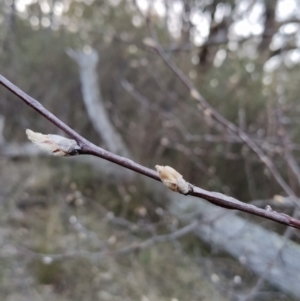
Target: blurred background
column 84, row 229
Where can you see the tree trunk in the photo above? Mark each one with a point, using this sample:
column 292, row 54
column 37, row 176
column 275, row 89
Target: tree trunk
column 93, row 101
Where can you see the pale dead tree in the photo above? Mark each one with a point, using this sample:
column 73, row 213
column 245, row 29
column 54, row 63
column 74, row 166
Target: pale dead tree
column 92, row 97
column 87, row 62
column 252, row 245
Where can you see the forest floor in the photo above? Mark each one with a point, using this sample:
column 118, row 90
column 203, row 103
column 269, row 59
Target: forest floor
column 54, row 208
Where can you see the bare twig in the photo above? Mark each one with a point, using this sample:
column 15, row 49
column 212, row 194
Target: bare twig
column 88, row 148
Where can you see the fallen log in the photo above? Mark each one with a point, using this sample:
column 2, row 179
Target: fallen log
column 260, row 250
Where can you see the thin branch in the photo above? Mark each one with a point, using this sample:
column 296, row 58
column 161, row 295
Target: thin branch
column 88, row 148
column 285, row 139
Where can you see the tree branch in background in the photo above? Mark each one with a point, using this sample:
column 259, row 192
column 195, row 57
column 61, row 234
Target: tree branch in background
column 210, row 111
column 88, row 148
column 285, row 140
column 136, row 247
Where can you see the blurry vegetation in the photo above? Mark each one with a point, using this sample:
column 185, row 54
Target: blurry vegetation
column 158, row 273
column 37, row 62
column 237, row 82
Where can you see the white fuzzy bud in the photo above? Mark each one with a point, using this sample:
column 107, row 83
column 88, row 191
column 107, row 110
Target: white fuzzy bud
column 173, row 179
column 54, row 144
